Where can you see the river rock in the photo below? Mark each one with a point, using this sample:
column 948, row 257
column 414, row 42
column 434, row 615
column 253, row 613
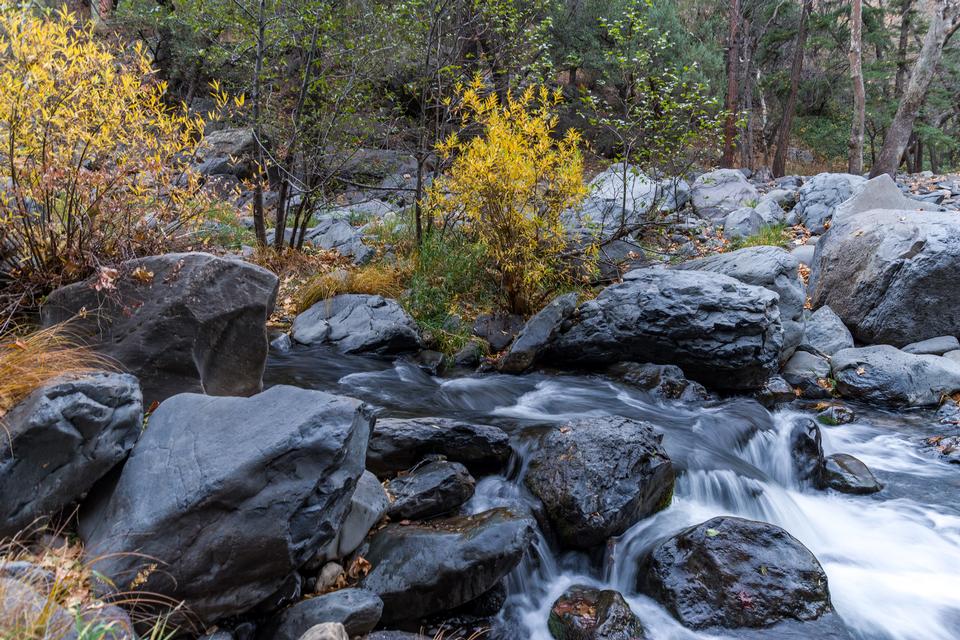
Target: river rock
column 424, row 569
column 537, row 333
column 825, row 333
column 879, row 193
column 663, row 381
column 742, row 222
column 887, row 375
column 836, row 415
column 820, row 195
column 326, row 631
column 719, row 192
column 589, row 495
column 498, row 329
column 891, row 275
column 776, row 390
column 771, row 268
column 60, row 440
column 229, row 496
column 933, row 346
column 587, row 613
column 806, row 451
column 809, row 373
column 720, row 331
column 179, row 322
column 338, row 235
column 229, row 151
column 430, row 490
column 368, row 504
column 846, row 474
column 733, row 573
column 357, row 323
column 23, row 608
column 399, row 443
column 356, row 609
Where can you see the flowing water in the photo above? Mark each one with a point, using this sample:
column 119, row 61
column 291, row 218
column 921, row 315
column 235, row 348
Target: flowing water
column 892, row 559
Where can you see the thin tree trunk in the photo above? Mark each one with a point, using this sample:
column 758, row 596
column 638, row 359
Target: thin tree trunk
column 258, row 219
column 901, row 77
column 855, row 159
column 942, row 16
column 733, row 85
column 783, row 141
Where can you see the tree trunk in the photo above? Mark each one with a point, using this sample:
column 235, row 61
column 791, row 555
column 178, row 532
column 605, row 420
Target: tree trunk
column 855, row 158
column 783, row 141
column 259, row 226
column 733, row 85
column 901, row 77
column 942, row 16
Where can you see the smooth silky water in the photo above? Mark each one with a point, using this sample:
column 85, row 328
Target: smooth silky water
column 892, row 559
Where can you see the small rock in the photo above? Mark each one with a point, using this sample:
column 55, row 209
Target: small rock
column 775, row 391
column 835, row 415
column 328, row 576
column 282, row 343
column 430, row 490
column 326, row 631
column 806, row 449
column 664, row 381
column 742, row 222
column 536, row 333
column 809, row 373
column 819, row 197
column 933, row 346
column 357, row 610
column 472, row 353
column 368, row 504
column 825, row 333
column 846, row 474
column 586, row 613
column 497, row 329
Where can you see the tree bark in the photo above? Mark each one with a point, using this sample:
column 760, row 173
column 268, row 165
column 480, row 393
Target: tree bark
column 855, row 159
column 783, row 140
column 943, row 15
column 259, row 225
column 733, row 85
column 901, row 77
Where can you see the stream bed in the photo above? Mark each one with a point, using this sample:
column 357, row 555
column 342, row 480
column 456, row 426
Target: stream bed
column 892, row 558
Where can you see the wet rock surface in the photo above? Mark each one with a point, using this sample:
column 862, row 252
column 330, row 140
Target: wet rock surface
column 586, row 613
column 887, row 375
column 357, row 610
column 430, row 489
column 846, row 474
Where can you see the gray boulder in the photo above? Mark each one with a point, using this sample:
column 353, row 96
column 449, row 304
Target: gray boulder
column 229, row 496
column 356, row 609
column 430, row 490
column 338, row 235
column 819, row 197
column 586, row 613
column 742, row 222
column 228, row 151
column 808, row 372
column 60, row 440
column 367, row 506
column 825, row 333
column 719, row 192
column 326, row 631
column 399, row 443
column 23, row 610
column 537, row 333
column 735, row 573
column 663, row 381
column 879, row 193
column 180, row 322
column 589, row 495
column 720, row 331
column 424, row 569
column 804, row 253
column 886, row 375
column 933, row 346
column 771, row 212
column 771, row 268
column 891, row 275
column 356, row 323
column 782, row 198
column 846, row 474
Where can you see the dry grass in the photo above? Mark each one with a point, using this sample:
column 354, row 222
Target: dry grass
column 28, row 361
column 375, row 279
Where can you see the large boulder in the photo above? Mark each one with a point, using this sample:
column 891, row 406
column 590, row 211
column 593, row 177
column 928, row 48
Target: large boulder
column 717, row 193
column 589, row 495
column 820, row 196
column 742, row 222
column 356, row 609
column 733, row 573
column 223, row 498
column 886, row 375
column 357, row 323
column 720, row 331
column 879, row 193
column 537, row 333
column 399, row 443
column 824, row 332
column 229, row 151
column 586, row 613
column 891, row 276
column 423, row 569
column 60, row 440
column 846, row 474
column 771, row 268
column 337, row 234
column 180, row 322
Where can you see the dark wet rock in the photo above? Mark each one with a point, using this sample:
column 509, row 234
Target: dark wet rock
column 730, row 572
column 399, row 443
column 825, row 333
column 180, row 322
column 835, row 415
column 396, row 635
column 498, row 329
column 933, row 346
column 282, row 343
column 356, row 609
column 368, row 504
column 431, row 362
column 809, row 373
column 60, row 440
column 587, row 613
column 776, row 390
column 820, row 195
column 21, row 607
column 589, row 495
column 430, row 489
column 419, row 570
column 664, row 381
column 486, row 605
column 846, row 474
column 719, row 192
column 357, row 323
column 228, row 511
column 771, row 268
column 720, row 331
column 887, row 375
column 891, row 275
column 537, row 333
column 806, row 449
column 472, row 353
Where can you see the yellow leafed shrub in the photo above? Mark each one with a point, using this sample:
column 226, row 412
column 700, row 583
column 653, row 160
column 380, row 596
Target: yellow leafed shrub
column 508, row 186
column 91, row 156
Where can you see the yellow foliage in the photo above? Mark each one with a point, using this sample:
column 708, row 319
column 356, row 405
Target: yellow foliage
column 374, row 279
column 93, row 157
column 508, row 187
